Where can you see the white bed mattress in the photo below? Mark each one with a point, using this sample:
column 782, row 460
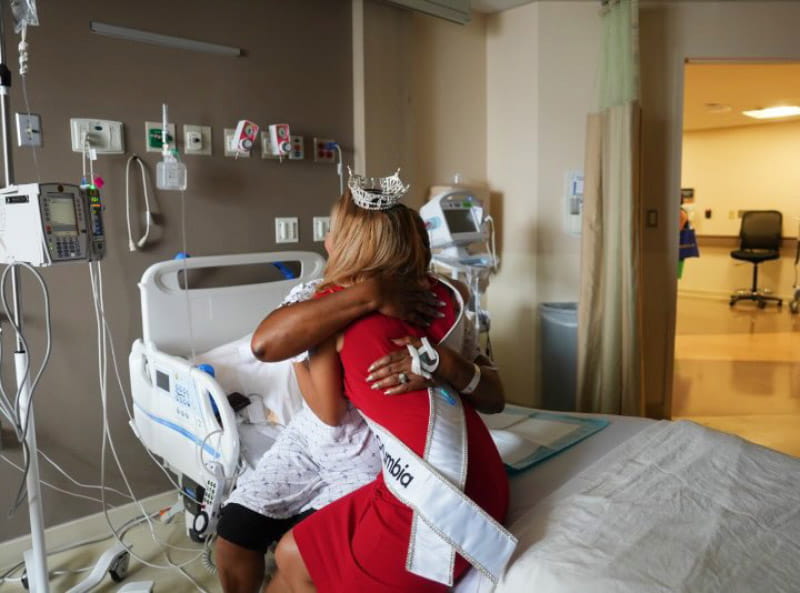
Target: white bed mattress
column 531, row 486
column 674, row 507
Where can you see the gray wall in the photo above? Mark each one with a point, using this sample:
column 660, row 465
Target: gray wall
column 297, row 68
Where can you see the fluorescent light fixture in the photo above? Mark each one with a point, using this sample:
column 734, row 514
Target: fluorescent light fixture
column 771, row 112
column 164, row 40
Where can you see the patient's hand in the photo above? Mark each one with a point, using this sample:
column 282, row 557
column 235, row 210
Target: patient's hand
column 396, row 298
column 385, row 372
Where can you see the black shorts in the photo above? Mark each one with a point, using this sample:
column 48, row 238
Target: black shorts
column 243, row 527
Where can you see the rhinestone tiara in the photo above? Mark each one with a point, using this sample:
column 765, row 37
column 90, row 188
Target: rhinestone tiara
column 376, row 193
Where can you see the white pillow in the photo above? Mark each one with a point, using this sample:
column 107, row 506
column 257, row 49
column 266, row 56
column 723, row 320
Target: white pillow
column 236, row 369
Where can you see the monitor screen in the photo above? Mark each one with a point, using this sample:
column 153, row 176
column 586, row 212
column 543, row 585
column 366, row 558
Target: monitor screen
column 62, row 211
column 460, row 221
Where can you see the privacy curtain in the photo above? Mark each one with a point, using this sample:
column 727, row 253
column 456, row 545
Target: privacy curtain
column 609, row 311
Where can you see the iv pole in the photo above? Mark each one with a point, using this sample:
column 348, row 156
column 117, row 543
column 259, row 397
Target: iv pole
column 37, row 567
column 115, row 559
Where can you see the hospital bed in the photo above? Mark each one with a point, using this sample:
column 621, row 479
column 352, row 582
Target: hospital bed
column 181, row 413
column 641, row 506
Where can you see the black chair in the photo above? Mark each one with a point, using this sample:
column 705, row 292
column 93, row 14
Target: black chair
column 760, row 237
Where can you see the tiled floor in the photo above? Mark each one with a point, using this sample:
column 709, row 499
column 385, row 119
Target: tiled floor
column 738, row 370
column 144, row 544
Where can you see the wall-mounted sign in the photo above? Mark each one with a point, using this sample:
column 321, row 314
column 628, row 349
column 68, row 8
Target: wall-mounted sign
column 687, row 195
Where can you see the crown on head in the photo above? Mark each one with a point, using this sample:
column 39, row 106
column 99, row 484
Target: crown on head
column 376, row 193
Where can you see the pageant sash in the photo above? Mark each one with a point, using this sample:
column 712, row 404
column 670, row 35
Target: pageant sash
column 445, row 521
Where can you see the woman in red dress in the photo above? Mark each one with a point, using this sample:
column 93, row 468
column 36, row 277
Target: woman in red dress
column 360, row 542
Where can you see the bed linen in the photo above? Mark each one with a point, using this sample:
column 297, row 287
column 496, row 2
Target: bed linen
column 676, row 507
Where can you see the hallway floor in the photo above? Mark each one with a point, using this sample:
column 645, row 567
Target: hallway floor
column 738, row 370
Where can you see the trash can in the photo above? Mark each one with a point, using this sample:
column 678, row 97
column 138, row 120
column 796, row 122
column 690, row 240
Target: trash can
column 558, row 349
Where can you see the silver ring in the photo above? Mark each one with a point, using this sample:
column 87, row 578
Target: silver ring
column 402, row 378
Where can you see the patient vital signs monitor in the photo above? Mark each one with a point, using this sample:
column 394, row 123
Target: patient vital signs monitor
column 48, row 223
column 454, row 219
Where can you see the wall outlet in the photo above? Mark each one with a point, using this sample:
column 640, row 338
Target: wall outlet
column 230, row 149
column 266, row 147
column 105, row 136
column 29, row 129
column 197, row 139
column 321, row 225
column 286, row 230
column 323, row 153
column 153, row 132
column 298, row 152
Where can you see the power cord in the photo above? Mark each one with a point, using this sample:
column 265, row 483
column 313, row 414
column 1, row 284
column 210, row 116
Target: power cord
column 142, row 241
column 20, row 419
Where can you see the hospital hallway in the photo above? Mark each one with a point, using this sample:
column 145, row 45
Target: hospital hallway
column 738, row 370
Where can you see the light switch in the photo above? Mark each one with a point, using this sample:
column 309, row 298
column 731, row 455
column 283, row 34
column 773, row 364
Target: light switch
column 286, row 230
column 322, row 224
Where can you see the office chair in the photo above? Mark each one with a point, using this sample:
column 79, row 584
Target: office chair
column 760, row 237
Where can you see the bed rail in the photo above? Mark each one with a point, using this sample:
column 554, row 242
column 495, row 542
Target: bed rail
column 176, row 321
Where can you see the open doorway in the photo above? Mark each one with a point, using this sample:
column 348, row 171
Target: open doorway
column 737, row 362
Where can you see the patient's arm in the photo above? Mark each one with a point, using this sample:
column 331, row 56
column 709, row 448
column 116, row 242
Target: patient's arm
column 303, row 376
column 453, row 369
column 293, row 329
column 326, row 399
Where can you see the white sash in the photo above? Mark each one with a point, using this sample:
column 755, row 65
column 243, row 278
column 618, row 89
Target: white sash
column 445, row 520
column 454, row 338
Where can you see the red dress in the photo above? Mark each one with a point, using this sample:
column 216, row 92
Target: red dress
column 359, row 542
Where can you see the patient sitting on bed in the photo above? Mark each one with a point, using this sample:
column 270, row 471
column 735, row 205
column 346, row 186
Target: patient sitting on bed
column 311, row 463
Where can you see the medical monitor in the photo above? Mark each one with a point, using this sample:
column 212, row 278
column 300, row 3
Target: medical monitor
column 454, row 219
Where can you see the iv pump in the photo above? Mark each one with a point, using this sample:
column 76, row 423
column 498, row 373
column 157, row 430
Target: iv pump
column 49, row 223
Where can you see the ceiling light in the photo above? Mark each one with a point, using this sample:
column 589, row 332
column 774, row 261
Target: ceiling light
column 771, row 112
column 717, row 108
column 164, row 40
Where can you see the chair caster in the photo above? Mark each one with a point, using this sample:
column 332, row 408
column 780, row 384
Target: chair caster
column 762, row 304
column 732, row 302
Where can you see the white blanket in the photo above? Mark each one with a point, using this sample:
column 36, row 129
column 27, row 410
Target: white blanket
column 677, row 507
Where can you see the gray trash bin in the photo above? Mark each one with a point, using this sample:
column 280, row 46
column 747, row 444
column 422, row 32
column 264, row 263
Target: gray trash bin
column 558, row 349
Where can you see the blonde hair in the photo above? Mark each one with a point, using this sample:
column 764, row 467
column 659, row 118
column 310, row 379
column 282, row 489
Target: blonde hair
column 376, row 243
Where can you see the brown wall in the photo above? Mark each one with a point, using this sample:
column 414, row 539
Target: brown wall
column 297, row 68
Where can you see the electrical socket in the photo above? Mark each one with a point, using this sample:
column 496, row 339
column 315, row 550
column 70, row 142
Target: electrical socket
column 105, row 136
column 229, row 148
column 153, row 135
column 322, row 152
column 266, row 147
column 196, row 139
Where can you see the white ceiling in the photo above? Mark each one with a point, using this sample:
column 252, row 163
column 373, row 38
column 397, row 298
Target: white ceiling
column 737, row 87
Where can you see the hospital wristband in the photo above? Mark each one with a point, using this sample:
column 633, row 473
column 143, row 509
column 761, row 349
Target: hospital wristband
column 424, row 360
column 476, row 378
